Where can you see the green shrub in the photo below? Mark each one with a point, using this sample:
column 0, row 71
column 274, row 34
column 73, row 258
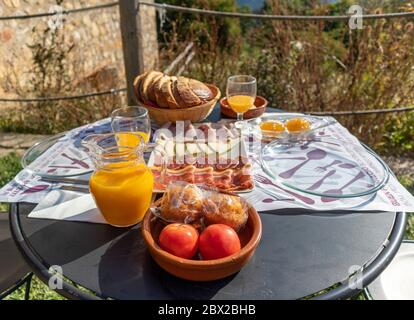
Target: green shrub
column 399, row 135
column 9, row 167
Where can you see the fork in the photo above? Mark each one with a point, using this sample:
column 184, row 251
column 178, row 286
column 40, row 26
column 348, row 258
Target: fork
column 271, row 194
column 325, row 168
column 264, row 180
column 73, row 188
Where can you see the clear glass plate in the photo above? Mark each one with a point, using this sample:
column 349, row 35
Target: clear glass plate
column 323, row 168
column 61, row 157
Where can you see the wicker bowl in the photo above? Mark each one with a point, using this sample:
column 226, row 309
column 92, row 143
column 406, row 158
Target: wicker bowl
column 194, row 114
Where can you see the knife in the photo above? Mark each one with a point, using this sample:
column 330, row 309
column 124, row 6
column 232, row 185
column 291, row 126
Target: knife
column 66, row 180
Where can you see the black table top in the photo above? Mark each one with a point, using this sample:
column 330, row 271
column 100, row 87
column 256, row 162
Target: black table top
column 300, row 253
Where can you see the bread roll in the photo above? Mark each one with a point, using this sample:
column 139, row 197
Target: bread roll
column 182, row 203
column 225, row 209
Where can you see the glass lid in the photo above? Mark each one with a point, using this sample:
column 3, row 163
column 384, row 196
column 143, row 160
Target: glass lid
column 324, row 168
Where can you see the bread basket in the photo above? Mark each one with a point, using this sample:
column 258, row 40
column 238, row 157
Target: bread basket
column 194, row 114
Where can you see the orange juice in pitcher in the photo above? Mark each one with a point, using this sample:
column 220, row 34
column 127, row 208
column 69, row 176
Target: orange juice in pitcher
column 121, row 184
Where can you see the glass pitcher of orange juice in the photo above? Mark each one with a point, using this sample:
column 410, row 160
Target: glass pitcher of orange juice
column 121, row 184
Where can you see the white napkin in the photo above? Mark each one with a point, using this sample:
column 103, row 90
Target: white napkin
column 69, row 206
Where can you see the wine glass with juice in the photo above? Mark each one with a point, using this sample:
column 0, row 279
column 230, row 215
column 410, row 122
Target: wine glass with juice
column 241, row 95
column 131, row 119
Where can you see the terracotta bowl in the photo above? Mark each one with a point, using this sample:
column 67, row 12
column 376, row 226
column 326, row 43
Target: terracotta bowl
column 194, row 114
column 260, row 104
column 203, row 270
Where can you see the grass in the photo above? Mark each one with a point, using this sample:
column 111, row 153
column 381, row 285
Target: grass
column 39, row 291
column 408, row 182
column 10, row 166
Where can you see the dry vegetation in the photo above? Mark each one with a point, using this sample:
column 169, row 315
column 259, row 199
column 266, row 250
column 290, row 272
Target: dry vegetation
column 300, row 66
column 54, row 72
column 307, row 66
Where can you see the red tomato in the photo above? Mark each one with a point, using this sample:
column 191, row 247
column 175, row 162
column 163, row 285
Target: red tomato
column 179, row 239
column 218, row 241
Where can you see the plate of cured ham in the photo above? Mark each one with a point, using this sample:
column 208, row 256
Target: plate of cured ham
column 208, row 154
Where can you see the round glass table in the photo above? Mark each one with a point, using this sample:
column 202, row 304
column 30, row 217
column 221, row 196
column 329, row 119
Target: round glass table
column 300, row 255
column 329, row 255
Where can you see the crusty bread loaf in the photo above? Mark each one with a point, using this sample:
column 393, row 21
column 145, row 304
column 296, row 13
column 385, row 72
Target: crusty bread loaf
column 151, row 88
column 188, row 96
column 145, row 84
column 171, row 92
column 201, row 90
column 137, row 85
column 160, row 98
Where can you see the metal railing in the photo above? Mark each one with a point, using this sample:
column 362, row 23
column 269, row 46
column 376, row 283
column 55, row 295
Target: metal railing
column 164, row 6
column 169, row 7
column 64, row 12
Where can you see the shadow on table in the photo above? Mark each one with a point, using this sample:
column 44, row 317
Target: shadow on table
column 63, row 242
column 127, row 271
column 306, row 212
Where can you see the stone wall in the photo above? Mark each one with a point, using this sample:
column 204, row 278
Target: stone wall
column 149, row 37
column 94, row 34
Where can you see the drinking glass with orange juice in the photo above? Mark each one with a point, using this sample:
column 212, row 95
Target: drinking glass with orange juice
column 131, row 119
column 241, row 95
column 121, row 184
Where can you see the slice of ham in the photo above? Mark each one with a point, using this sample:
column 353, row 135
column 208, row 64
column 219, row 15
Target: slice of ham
column 223, row 179
column 185, row 174
column 242, row 181
column 226, row 180
column 190, row 160
column 224, row 164
column 204, row 176
column 172, row 165
column 202, row 162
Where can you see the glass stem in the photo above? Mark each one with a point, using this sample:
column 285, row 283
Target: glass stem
column 239, row 116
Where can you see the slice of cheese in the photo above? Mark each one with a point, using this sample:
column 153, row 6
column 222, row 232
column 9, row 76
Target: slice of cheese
column 170, row 148
column 180, row 150
column 222, row 147
column 205, row 148
column 161, row 142
column 234, row 143
column 192, row 149
column 213, row 146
